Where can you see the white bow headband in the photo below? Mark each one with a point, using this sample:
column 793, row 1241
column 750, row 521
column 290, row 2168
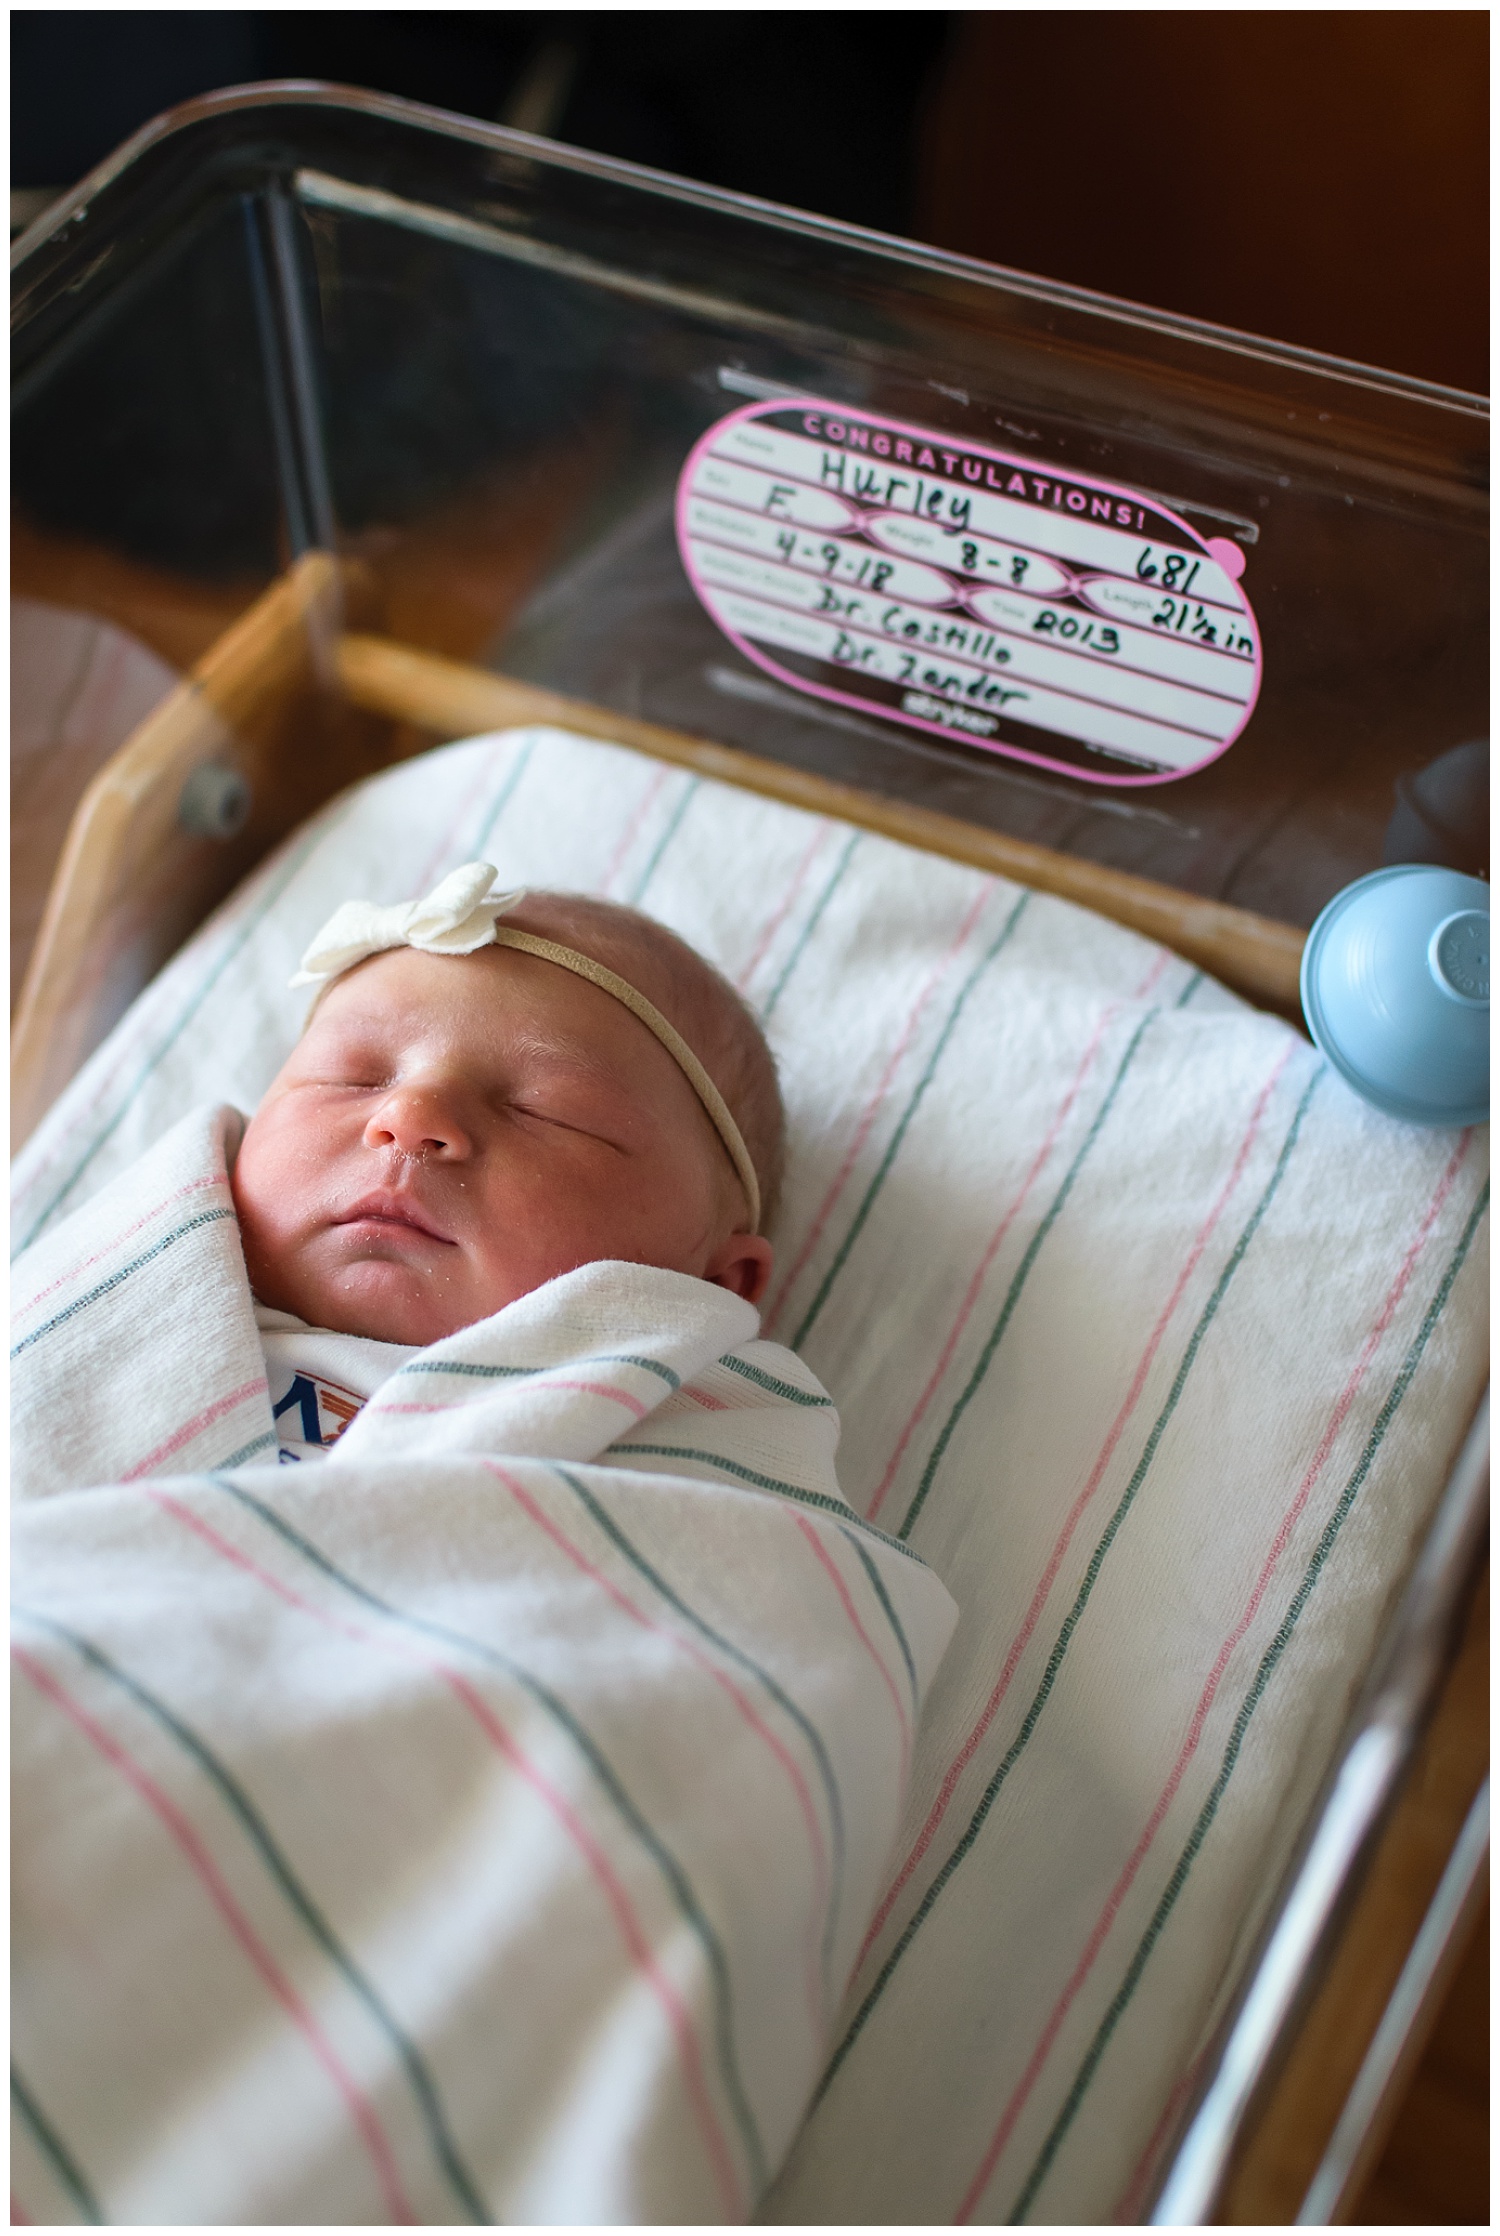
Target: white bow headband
column 456, row 918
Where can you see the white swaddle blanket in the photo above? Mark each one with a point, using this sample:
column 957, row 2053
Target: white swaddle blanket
column 481, row 1824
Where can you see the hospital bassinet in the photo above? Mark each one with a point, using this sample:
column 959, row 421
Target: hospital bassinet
column 297, row 323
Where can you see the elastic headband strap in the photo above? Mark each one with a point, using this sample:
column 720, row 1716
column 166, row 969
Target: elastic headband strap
column 584, row 966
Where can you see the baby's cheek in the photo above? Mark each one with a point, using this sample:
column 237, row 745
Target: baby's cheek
column 269, row 1183
column 249, row 1179
column 257, row 1235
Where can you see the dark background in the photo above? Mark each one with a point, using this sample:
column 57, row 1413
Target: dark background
column 1317, row 176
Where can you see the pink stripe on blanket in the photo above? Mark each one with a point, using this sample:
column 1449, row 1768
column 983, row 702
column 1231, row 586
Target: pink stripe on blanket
column 1127, row 2210
column 213, row 1180
column 632, row 829
column 443, row 851
column 779, row 914
column 1206, row 1698
column 1039, row 1597
column 631, row 1931
column 600, row 1389
column 872, row 1108
column 360, row 2109
column 744, row 1705
column 972, row 1294
column 821, row 1555
column 194, row 1427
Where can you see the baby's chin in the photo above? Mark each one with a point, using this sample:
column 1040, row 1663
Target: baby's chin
column 389, row 1302
column 400, row 1290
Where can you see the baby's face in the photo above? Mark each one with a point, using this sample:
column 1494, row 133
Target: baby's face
column 453, row 1131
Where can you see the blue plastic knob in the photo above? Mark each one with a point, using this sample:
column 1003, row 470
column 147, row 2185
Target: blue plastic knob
column 1396, row 992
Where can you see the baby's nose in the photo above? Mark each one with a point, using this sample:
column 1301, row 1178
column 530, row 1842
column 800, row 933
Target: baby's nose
column 418, row 1121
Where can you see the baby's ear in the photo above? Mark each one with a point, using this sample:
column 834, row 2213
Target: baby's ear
column 742, row 1262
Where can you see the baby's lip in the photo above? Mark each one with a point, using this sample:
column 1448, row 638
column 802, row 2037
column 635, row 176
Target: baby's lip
column 387, row 1208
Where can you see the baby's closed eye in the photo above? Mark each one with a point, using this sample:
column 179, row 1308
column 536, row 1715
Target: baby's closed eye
column 373, row 1080
column 564, row 1110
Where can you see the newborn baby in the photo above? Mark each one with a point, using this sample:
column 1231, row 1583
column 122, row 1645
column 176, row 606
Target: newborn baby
column 518, row 1131
column 457, row 1128
column 567, row 1676
column 453, row 1130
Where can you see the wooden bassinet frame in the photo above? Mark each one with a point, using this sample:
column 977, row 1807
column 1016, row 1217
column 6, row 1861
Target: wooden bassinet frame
column 299, row 699
column 297, row 705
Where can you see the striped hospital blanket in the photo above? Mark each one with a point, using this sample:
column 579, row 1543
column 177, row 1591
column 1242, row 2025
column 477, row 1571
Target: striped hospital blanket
column 481, row 1824
column 1146, row 1334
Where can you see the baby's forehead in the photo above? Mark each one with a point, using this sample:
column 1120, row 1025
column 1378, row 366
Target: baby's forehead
column 491, row 1002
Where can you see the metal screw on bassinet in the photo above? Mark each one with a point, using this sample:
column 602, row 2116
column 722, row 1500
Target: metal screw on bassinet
column 214, row 802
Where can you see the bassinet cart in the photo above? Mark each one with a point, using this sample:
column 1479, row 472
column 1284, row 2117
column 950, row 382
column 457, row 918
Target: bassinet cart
column 395, row 395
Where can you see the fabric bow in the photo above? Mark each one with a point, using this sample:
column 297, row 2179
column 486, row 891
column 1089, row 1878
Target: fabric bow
column 455, row 918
